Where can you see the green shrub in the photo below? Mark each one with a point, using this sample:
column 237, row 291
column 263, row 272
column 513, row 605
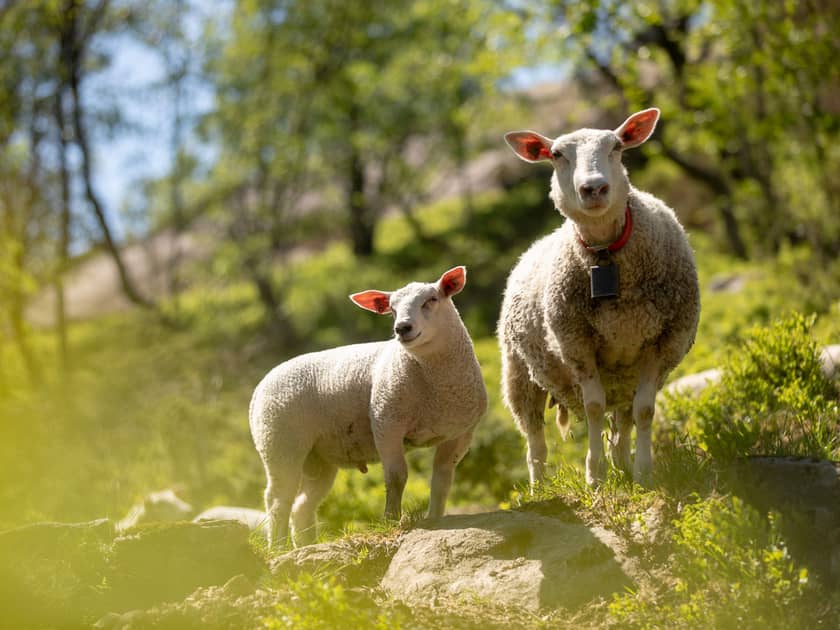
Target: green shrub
column 324, row 604
column 731, row 569
column 772, row 399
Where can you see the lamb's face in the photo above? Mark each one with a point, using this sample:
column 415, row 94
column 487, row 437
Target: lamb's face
column 588, row 173
column 416, row 309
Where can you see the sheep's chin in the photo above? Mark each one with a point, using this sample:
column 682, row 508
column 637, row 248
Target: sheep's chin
column 410, row 343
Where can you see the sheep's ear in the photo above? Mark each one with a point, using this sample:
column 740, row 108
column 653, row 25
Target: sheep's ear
column 376, row 301
column 529, row 145
column 638, row 128
column 452, row 281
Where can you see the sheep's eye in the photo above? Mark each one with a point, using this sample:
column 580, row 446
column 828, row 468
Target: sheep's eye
column 430, row 301
column 558, row 154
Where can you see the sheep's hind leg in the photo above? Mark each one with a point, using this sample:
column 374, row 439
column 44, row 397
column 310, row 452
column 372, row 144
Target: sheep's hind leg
column 447, row 455
column 620, row 437
column 318, row 478
column 643, row 408
column 526, row 401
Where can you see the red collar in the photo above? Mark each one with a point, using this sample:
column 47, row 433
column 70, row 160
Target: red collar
column 618, row 243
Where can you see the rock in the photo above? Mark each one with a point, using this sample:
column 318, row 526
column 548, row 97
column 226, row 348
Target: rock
column 693, row 384
column 165, row 562
column 163, row 506
column 355, row 561
column 510, row 558
column 830, row 360
column 49, row 572
column 807, row 494
column 208, row 608
column 256, row 520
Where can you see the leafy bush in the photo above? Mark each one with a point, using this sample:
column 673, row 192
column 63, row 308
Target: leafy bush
column 318, row 604
column 772, row 399
column 731, row 569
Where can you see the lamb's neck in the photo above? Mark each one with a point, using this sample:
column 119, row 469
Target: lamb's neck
column 452, row 351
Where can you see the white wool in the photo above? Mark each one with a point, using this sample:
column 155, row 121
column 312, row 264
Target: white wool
column 352, row 405
column 594, row 355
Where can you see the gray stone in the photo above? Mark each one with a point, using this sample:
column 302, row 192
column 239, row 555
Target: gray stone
column 165, row 562
column 511, row 558
column 352, row 560
column 49, row 572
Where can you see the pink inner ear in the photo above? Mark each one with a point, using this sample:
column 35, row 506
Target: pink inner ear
column 453, row 281
column 638, row 128
column 376, row 301
column 535, row 149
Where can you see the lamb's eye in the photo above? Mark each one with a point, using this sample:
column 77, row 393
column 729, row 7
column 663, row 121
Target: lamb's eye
column 557, row 154
column 429, row 302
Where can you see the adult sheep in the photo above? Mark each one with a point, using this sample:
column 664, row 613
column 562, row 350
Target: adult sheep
column 596, row 314
column 356, row 404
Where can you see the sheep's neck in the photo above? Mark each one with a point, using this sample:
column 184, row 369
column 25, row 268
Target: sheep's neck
column 601, row 234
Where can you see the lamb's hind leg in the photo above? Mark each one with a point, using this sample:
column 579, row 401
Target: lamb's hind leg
column 318, row 478
column 283, row 477
column 526, row 402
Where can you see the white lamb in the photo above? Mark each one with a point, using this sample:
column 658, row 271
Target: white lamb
column 345, row 407
column 596, row 314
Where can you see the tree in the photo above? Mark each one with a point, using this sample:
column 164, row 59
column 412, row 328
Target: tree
column 741, row 85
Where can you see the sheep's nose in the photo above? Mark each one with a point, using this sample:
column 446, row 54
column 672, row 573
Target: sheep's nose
column 594, row 188
column 403, row 328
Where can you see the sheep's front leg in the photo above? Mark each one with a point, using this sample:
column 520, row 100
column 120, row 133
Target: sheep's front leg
column 643, row 408
column 447, row 456
column 594, row 402
column 389, row 444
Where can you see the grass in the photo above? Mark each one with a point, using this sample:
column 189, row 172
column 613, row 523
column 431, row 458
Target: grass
column 149, row 406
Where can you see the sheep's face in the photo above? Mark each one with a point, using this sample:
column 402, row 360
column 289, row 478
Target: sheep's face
column 588, row 174
column 420, row 309
column 589, row 180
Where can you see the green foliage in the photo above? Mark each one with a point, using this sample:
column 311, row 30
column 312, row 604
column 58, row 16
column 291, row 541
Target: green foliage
column 731, row 569
column 317, row 604
column 773, row 398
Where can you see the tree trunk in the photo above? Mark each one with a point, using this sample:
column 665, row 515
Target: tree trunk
column 721, row 187
column 361, row 222
column 71, row 58
column 63, row 252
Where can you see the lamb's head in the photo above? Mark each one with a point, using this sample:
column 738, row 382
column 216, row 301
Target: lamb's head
column 422, row 311
column 590, row 183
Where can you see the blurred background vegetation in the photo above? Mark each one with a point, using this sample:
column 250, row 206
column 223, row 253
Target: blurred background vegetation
column 298, row 151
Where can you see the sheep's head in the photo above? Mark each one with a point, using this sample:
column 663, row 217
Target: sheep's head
column 419, row 308
column 589, row 181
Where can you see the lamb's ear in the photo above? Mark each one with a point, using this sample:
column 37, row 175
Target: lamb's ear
column 529, row 145
column 376, row 301
column 637, row 128
column 452, row 281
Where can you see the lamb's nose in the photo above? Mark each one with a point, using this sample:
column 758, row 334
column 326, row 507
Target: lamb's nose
column 594, row 188
column 403, row 328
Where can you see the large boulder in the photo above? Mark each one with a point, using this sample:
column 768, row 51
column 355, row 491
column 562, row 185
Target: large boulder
column 165, row 562
column 512, row 558
column 52, row 572
column 355, row 561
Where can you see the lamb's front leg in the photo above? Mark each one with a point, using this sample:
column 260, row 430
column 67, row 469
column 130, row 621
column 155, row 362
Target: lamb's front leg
column 389, row 444
column 447, row 455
